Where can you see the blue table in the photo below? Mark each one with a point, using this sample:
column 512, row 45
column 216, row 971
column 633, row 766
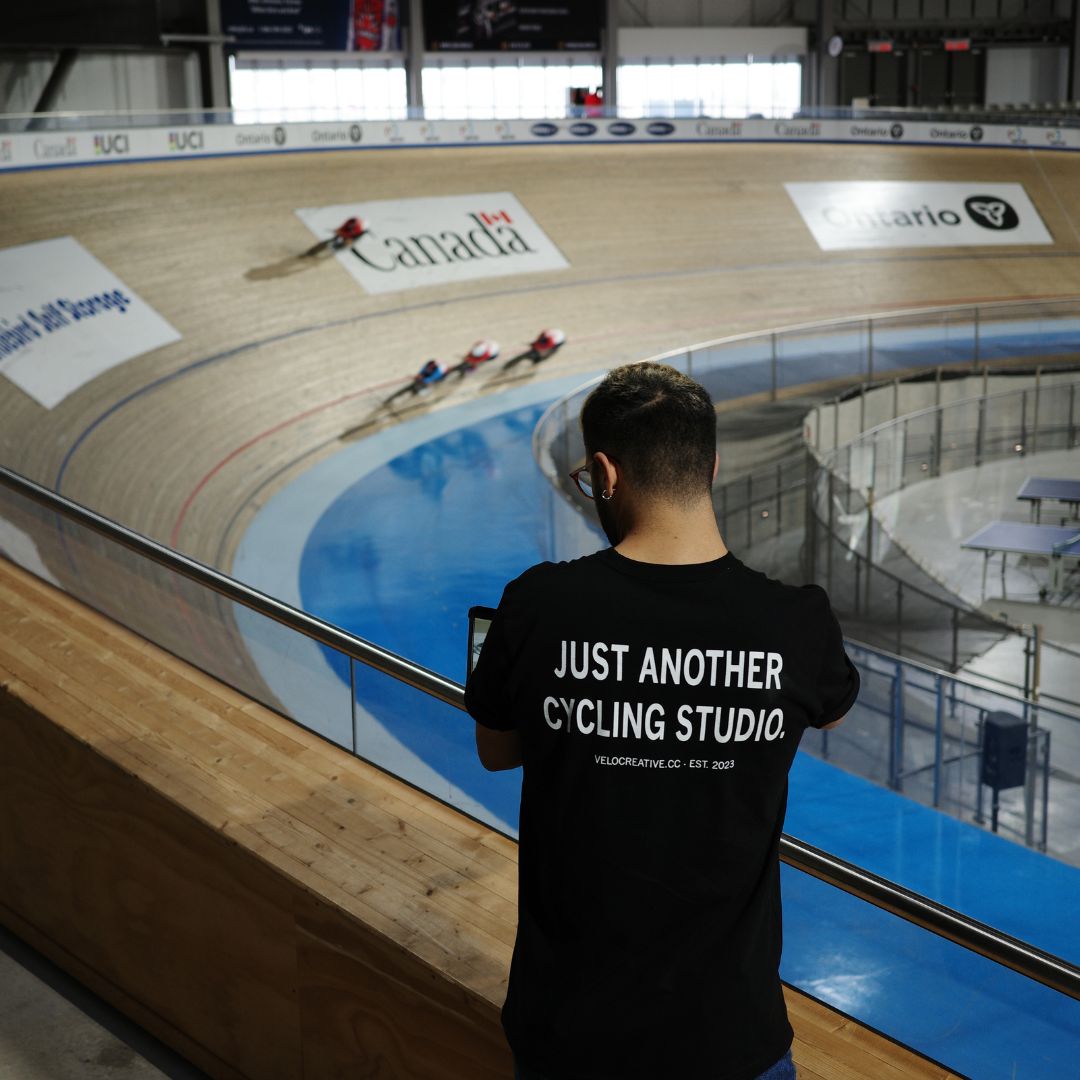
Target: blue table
column 1056, row 542
column 1036, row 488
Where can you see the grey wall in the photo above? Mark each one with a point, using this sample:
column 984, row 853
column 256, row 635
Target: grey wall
column 1023, row 75
column 125, row 81
column 714, row 12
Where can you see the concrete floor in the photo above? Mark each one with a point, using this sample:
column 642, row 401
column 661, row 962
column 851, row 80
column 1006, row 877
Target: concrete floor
column 53, row 1028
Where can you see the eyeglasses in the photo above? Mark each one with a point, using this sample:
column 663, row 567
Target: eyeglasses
column 583, row 479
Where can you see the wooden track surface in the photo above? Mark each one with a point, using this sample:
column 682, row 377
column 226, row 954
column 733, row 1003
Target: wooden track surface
column 269, row 906
column 668, row 245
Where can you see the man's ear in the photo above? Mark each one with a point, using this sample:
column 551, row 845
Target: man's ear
column 609, row 471
column 715, row 466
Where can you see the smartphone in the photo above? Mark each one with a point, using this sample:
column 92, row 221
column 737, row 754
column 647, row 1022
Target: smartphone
column 479, row 624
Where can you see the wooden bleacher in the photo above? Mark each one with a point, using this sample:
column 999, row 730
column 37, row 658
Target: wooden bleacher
column 258, row 899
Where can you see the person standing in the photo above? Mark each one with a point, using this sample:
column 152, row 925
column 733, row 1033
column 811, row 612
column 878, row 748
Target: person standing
column 655, row 693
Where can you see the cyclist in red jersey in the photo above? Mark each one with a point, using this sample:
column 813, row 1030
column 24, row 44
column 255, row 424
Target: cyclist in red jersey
column 480, row 353
column 348, row 232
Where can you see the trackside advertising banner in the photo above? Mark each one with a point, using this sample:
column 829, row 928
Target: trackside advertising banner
column 899, row 213
column 64, row 319
column 410, row 243
column 49, row 149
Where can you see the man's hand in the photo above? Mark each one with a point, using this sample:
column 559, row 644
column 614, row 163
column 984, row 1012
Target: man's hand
column 498, row 750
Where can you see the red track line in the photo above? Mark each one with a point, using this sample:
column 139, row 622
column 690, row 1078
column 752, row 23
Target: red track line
column 175, row 533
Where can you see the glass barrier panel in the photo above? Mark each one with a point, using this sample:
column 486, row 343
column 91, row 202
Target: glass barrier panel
column 922, row 734
column 821, row 354
column 265, row 661
column 1054, row 423
column 431, row 745
column 922, row 449
column 305, row 681
column 959, row 433
column 1029, row 330
column 733, row 369
column 905, row 342
column 973, row 1016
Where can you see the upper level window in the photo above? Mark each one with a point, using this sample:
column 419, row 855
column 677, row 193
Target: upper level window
column 274, row 90
column 733, row 88
column 476, row 89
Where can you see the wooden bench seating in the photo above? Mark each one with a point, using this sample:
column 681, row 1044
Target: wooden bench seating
column 255, row 897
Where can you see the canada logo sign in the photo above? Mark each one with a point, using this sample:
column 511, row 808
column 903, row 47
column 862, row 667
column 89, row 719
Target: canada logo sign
column 412, row 243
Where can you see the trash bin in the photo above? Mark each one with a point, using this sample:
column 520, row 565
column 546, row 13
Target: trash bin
column 1004, row 751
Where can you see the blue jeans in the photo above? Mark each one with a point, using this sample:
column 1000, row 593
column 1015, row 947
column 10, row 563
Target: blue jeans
column 784, row 1069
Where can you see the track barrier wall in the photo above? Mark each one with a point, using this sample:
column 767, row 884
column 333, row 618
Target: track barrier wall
column 57, row 139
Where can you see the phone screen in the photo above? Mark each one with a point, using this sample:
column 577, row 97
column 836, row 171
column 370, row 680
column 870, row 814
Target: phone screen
column 479, row 624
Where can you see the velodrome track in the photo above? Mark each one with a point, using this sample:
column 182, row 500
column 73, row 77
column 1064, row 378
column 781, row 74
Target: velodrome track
column 667, row 245
column 275, row 368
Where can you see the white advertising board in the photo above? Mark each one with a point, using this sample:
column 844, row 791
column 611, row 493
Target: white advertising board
column 900, row 213
column 410, row 243
column 65, row 319
column 50, row 149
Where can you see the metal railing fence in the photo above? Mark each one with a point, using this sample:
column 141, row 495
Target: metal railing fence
column 837, row 352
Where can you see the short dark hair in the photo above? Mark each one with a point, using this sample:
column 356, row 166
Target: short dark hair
column 659, row 425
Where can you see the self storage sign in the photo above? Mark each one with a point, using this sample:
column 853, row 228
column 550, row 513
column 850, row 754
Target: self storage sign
column 65, row 318
column 410, row 243
column 898, row 213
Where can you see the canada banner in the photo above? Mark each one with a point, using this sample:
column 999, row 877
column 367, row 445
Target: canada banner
column 410, row 243
column 65, row 319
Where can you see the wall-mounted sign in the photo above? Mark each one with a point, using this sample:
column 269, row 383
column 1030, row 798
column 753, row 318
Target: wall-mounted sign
column 899, row 213
column 499, row 25
column 364, row 25
column 410, row 243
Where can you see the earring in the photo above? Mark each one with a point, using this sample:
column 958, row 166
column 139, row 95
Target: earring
column 606, row 495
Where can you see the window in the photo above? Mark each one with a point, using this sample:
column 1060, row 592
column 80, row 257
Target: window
column 269, row 90
column 730, row 87
column 501, row 89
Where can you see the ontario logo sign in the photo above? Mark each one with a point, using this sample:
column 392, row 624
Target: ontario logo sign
column 411, row 243
column 888, row 214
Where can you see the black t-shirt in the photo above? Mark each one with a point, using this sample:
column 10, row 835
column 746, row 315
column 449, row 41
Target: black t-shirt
column 659, row 708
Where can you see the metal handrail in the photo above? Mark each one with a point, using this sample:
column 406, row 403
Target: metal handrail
column 1019, row 956
column 367, row 652
column 945, row 922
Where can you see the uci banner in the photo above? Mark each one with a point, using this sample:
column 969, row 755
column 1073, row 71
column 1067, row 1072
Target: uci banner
column 64, row 319
column 899, row 213
column 410, row 243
